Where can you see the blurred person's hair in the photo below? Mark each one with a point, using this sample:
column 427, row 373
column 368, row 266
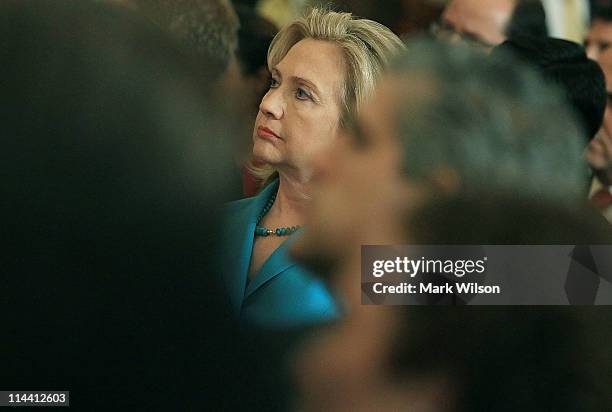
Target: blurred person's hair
column 511, row 219
column 367, row 48
column 528, row 18
column 602, row 12
column 493, row 122
column 566, row 64
column 254, row 38
column 508, row 359
column 504, row 219
column 251, row 4
column 208, row 27
column 113, row 167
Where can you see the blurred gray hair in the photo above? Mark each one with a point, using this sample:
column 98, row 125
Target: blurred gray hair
column 495, row 122
column 209, row 28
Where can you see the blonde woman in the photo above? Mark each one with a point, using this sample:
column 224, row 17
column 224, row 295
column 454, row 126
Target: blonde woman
column 323, row 67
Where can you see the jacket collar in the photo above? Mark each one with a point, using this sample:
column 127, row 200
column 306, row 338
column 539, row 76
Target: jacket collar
column 241, row 233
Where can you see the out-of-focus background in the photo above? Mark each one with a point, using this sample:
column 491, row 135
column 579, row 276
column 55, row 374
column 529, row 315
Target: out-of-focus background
column 567, row 19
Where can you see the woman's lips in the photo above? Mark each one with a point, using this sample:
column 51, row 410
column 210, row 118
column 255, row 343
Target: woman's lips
column 266, row 133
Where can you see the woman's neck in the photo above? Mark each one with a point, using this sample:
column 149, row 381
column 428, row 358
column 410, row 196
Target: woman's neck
column 291, row 200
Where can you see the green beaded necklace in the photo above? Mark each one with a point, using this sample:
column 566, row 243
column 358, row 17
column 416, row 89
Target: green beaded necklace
column 264, row 231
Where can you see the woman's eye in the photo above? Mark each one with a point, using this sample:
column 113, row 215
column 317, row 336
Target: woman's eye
column 273, row 83
column 301, row 94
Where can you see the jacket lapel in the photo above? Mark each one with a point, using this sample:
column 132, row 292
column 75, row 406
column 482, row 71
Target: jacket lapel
column 277, row 263
column 239, row 236
column 237, row 256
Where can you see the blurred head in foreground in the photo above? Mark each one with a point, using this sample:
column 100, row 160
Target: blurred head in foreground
column 207, row 28
column 461, row 358
column 446, row 153
column 111, row 167
column 442, row 122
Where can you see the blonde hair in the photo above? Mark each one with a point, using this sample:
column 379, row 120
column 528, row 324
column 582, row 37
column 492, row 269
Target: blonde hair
column 367, row 48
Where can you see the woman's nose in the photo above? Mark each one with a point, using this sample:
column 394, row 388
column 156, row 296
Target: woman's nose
column 271, row 104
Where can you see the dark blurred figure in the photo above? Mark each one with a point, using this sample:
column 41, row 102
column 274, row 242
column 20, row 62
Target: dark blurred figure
column 251, row 4
column 208, row 27
column 487, row 25
column 403, row 17
column 419, row 15
column 113, row 165
column 469, row 358
column 388, row 13
column 565, row 64
column 209, row 30
column 254, row 38
column 442, row 128
column 501, row 359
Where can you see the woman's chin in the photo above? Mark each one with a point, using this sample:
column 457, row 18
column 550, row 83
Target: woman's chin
column 266, row 154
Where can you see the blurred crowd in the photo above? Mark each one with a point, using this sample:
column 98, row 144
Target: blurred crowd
column 187, row 185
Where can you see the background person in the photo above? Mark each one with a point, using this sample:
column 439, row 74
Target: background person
column 599, row 37
column 566, row 65
column 599, row 151
column 487, row 25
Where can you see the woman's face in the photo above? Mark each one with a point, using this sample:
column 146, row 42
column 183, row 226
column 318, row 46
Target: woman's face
column 299, row 117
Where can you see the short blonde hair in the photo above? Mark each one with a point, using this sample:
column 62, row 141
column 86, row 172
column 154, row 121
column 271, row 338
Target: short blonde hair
column 367, row 48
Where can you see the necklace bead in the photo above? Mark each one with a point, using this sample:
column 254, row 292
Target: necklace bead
column 264, row 231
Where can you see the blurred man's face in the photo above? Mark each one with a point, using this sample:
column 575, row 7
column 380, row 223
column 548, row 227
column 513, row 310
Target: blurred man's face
column 599, row 39
column 476, row 21
column 594, row 151
column 358, row 193
column 342, row 368
column 361, row 196
column 605, row 61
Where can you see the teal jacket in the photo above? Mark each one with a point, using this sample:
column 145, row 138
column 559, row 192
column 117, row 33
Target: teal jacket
column 283, row 294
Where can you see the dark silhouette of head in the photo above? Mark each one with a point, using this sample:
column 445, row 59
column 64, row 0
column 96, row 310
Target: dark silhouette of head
column 566, row 64
column 112, row 169
column 528, row 19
